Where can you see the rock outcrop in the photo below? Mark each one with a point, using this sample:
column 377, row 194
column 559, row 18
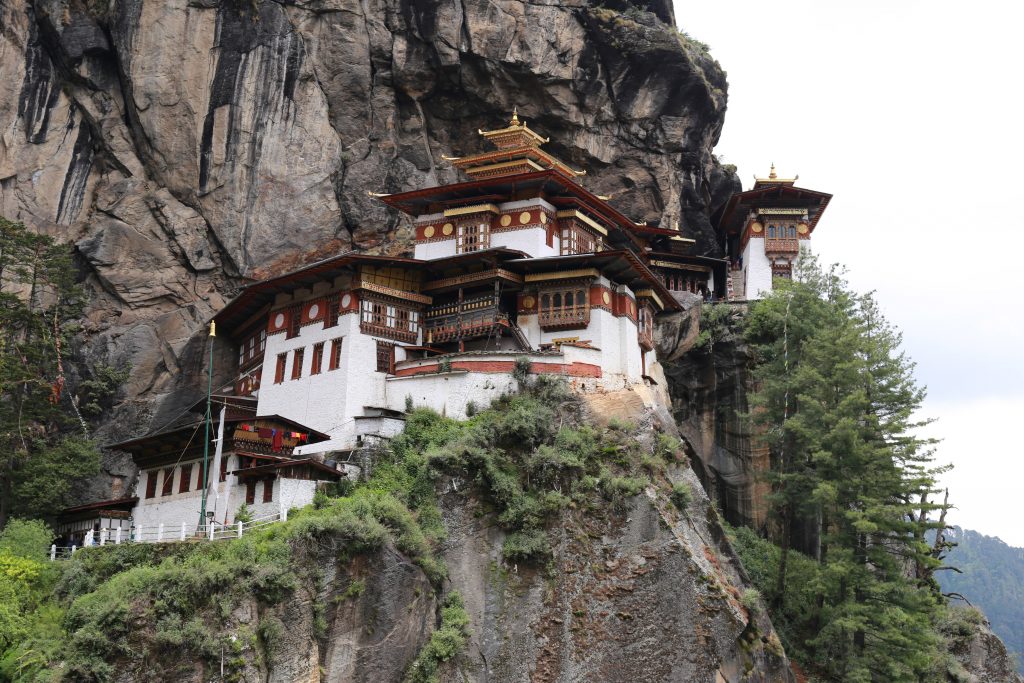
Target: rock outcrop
column 185, row 146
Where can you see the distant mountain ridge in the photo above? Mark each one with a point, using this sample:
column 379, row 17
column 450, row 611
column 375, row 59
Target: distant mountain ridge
column 993, row 580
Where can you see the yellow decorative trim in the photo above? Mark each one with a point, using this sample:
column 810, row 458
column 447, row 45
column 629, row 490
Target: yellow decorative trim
column 428, row 231
column 583, row 218
column 756, row 227
column 678, row 238
column 680, row 266
column 447, row 229
column 378, row 195
column 649, row 294
column 396, row 293
column 467, row 210
column 802, row 228
column 506, row 220
column 524, row 218
column 505, row 164
column 563, row 275
column 781, row 212
column 475, row 277
column 445, row 157
column 543, row 217
column 529, row 301
column 606, row 297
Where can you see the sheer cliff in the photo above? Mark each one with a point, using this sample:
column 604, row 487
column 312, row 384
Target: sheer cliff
column 185, row 146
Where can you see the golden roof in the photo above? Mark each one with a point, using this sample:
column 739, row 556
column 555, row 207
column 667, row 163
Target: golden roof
column 515, row 134
column 773, row 177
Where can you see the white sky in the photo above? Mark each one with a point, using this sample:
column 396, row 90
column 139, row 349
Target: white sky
column 910, row 114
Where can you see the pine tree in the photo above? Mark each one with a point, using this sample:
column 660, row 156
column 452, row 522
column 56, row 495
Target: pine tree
column 835, row 401
column 39, row 304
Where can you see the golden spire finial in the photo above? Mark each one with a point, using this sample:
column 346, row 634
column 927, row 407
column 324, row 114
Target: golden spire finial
column 772, row 175
column 515, row 116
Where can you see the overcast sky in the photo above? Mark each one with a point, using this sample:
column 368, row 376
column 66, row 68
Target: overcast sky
column 910, row 114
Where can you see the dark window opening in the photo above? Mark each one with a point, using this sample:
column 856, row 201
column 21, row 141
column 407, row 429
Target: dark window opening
column 297, row 363
column 318, row 359
column 268, row 490
column 186, row 478
column 385, row 357
column 151, row 483
column 168, row 486
column 282, row 359
column 250, row 492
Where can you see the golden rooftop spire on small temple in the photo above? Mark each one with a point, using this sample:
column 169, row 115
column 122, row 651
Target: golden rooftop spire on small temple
column 772, row 174
column 514, row 121
column 773, row 178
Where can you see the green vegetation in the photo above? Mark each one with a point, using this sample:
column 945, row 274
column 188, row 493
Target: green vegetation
column 992, row 577
column 528, row 456
column 850, row 485
column 39, row 416
column 445, row 642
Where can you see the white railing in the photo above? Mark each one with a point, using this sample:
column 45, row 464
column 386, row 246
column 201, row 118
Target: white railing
column 165, row 533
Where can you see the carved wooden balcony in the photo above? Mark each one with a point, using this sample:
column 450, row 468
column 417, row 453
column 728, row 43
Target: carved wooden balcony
column 384, row 330
column 469, row 324
column 781, row 246
column 564, row 319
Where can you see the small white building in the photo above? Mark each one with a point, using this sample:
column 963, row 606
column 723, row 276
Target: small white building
column 256, row 466
column 765, row 230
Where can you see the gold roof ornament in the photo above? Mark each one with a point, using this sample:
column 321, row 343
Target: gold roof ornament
column 773, row 178
column 378, row 195
column 516, row 134
column 445, row 157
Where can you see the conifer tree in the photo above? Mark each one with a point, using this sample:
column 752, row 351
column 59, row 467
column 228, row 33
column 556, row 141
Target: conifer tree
column 40, row 451
column 835, row 402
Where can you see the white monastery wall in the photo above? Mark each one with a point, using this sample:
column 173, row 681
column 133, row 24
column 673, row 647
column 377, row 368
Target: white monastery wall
column 757, row 269
column 432, row 250
column 532, row 240
column 448, row 393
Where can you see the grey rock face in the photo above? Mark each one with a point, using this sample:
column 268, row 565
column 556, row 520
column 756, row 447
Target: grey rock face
column 185, row 145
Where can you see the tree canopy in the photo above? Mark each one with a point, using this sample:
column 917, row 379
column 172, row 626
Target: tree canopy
column 836, row 402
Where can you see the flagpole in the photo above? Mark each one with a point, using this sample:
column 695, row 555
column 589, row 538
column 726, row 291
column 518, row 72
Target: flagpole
column 206, row 440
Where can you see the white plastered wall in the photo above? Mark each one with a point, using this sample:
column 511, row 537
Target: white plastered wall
column 757, row 269
column 183, row 508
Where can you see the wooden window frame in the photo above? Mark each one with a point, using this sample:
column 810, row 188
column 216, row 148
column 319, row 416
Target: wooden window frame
column 250, row 491
column 333, row 311
column 186, row 478
column 294, row 321
column 298, row 356
column 268, row 490
column 470, row 237
column 279, row 368
column 317, row 362
column 167, row 486
column 386, row 357
column 335, row 361
column 553, row 311
column 151, row 476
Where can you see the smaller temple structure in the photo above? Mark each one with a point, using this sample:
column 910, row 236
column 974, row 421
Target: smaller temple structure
column 764, row 230
column 255, row 465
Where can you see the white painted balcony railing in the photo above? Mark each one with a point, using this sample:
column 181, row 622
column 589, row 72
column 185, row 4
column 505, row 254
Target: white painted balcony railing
column 163, row 533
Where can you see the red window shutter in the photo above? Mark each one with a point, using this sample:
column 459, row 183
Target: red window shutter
column 151, row 483
column 168, row 487
column 297, row 363
column 282, row 359
column 318, row 359
column 335, row 361
column 186, row 478
column 250, row 492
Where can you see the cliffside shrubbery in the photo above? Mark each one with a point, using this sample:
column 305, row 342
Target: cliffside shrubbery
column 528, row 456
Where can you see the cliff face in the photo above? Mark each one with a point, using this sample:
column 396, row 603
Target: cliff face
column 186, row 145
